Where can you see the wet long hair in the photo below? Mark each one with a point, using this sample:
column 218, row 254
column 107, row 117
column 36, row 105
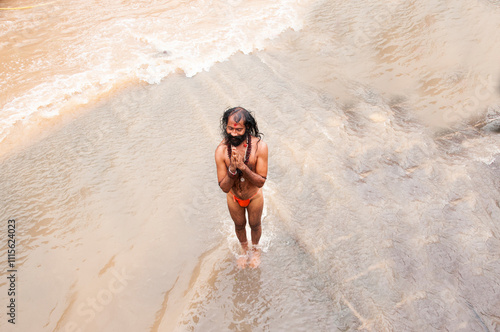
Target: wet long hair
column 240, row 113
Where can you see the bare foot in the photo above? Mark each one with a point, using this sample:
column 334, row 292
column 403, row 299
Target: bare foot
column 243, row 258
column 255, row 259
column 242, row 261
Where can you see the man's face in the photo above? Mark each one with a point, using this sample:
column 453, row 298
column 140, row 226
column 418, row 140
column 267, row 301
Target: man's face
column 235, row 130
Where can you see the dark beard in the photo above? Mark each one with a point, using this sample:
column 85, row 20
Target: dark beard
column 235, row 140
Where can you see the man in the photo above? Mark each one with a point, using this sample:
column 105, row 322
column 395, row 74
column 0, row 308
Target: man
column 241, row 160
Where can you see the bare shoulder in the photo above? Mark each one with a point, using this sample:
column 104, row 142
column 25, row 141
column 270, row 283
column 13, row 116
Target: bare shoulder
column 261, row 147
column 221, row 147
column 220, row 151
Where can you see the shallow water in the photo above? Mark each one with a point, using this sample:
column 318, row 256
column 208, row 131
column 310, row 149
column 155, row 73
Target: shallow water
column 382, row 200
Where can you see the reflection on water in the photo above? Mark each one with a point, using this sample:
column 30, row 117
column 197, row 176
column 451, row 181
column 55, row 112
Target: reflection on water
column 286, row 293
column 246, row 295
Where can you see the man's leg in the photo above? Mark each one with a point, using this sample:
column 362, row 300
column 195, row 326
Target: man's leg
column 238, row 215
column 254, row 216
column 254, row 219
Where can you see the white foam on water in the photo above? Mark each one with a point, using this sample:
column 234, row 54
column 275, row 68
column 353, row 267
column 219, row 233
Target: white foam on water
column 90, row 57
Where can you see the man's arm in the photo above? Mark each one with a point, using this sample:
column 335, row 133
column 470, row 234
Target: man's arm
column 225, row 180
column 257, row 178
